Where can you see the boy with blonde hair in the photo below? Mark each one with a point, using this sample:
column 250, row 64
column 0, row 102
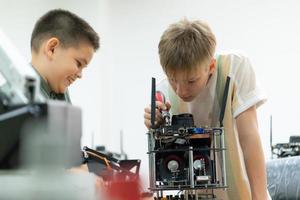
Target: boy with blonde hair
column 195, row 84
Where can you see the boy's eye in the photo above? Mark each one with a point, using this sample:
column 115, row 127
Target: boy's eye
column 78, row 63
column 192, row 81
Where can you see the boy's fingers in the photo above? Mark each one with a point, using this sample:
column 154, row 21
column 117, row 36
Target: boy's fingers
column 161, row 105
column 147, row 110
column 158, row 116
column 147, row 116
column 147, row 123
column 168, row 105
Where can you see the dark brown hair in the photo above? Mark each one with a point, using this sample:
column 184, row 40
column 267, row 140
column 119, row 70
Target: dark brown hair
column 64, row 25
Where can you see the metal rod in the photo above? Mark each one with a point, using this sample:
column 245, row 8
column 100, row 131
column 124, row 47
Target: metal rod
column 153, row 102
column 216, row 174
column 191, row 167
column 271, row 136
column 151, row 160
column 223, row 159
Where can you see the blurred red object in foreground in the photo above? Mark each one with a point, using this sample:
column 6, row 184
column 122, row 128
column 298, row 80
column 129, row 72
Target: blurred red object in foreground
column 122, row 187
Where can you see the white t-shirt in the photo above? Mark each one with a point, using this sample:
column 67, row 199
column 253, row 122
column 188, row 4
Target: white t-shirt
column 244, row 92
column 206, row 107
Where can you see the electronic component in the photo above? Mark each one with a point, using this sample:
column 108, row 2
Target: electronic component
column 184, row 157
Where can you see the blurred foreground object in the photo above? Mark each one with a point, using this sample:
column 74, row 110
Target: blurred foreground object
column 39, row 139
column 284, row 178
column 120, row 177
column 19, row 83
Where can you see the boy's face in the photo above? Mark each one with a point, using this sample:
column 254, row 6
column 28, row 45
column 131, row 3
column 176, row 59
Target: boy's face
column 188, row 85
column 66, row 65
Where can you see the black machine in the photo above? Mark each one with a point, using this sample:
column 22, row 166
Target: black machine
column 173, row 167
column 184, row 157
column 120, row 175
column 12, row 121
column 31, row 133
column 282, row 150
column 106, row 166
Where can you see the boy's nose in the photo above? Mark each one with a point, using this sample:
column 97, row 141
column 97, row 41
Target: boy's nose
column 181, row 91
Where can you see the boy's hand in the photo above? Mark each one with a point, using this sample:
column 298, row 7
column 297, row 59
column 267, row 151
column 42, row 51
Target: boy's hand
column 158, row 117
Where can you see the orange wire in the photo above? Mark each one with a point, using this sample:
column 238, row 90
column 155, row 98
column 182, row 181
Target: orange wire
column 103, row 158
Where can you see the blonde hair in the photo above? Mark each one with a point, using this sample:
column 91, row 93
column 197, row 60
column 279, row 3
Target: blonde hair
column 185, row 45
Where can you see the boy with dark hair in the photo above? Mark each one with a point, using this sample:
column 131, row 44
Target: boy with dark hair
column 62, row 45
column 195, row 84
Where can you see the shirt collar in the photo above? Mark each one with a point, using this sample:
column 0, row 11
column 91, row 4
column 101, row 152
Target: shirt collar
column 46, row 88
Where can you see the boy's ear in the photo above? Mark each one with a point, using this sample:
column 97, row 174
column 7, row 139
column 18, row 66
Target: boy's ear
column 50, row 46
column 212, row 66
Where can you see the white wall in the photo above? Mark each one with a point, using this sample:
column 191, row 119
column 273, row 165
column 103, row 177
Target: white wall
column 120, row 74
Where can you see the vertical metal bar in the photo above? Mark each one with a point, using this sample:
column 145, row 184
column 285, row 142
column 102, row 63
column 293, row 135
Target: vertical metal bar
column 223, row 158
column 191, row 167
column 151, row 160
column 157, row 195
column 161, row 193
column 196, row 195
column 216, row 174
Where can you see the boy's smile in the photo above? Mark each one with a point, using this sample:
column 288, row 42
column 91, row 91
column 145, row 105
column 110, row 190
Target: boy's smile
column 67, row 65
column 70, row 80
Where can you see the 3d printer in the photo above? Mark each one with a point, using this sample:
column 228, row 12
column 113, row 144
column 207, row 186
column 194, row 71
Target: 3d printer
column 184, row 157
